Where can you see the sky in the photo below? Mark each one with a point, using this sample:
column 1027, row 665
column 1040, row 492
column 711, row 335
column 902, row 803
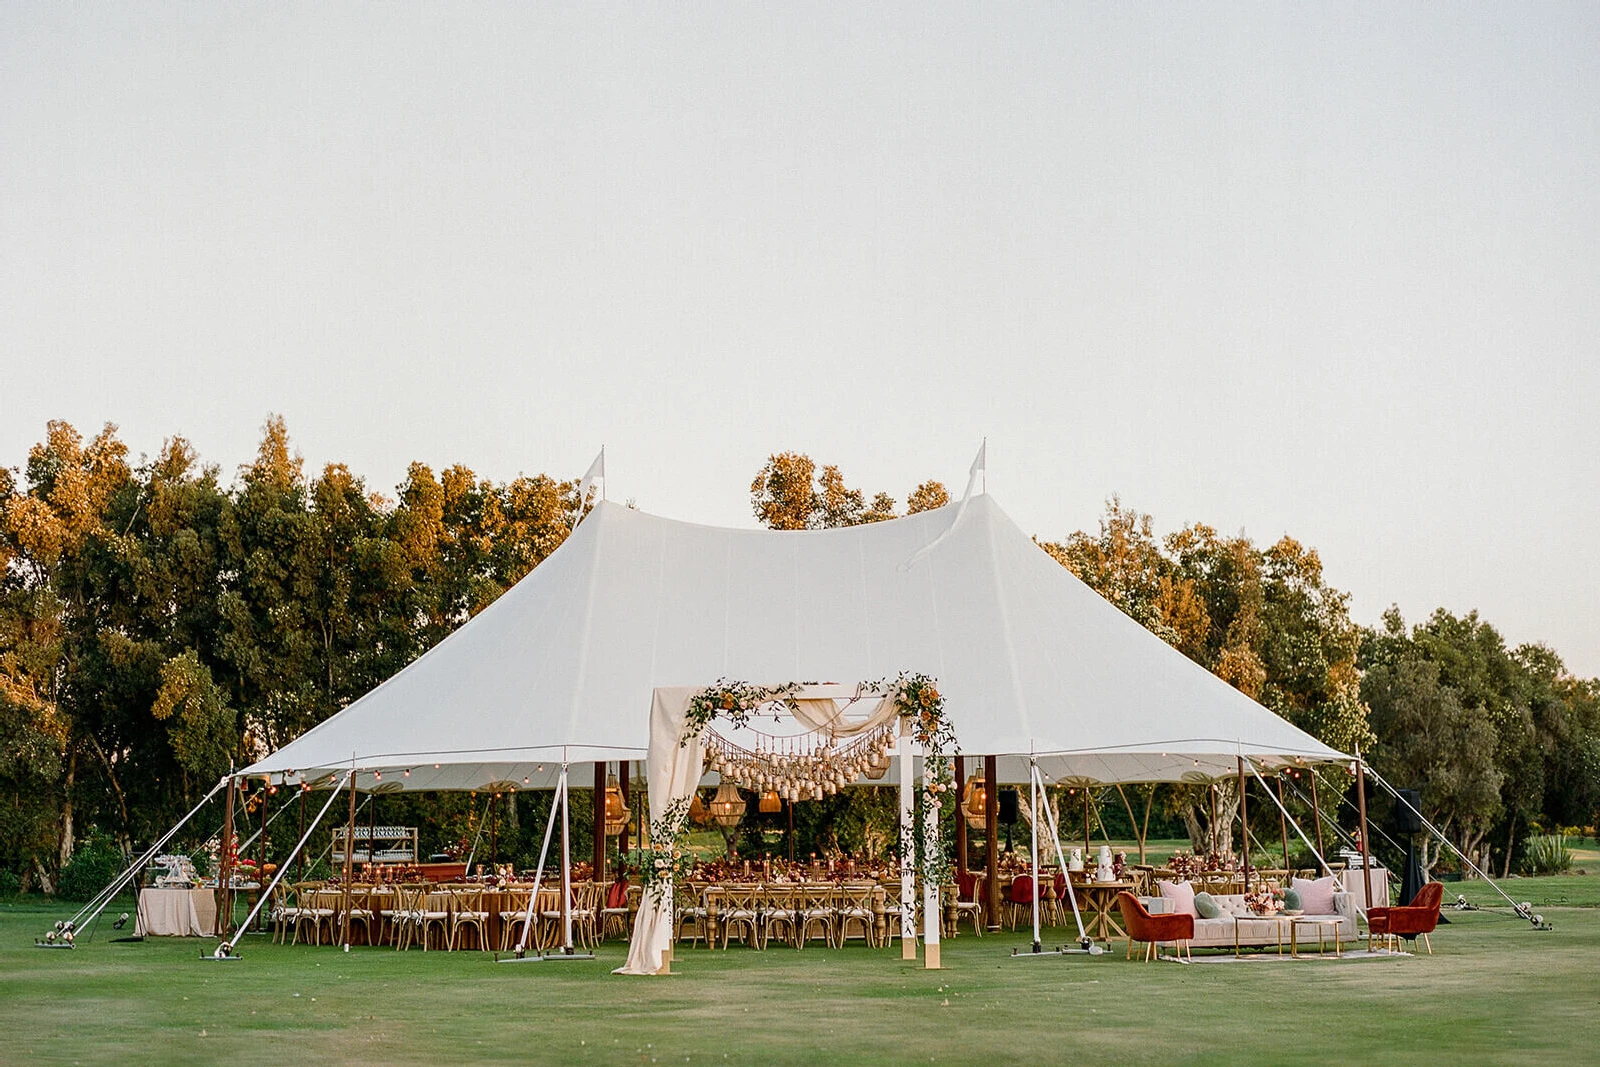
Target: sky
column 1325, row 270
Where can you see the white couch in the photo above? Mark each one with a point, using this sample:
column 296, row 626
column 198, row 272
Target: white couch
column 1252, row 929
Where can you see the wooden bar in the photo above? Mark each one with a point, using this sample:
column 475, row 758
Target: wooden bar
column 1283, row 823
column 225, row 867
column 622, row 781
column 1244, row 830
column 991, row 839
column 961, row 815
column 599, row 821
column 1316, row 815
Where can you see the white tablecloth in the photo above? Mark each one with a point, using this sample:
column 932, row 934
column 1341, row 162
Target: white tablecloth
column 177, row 912
column 1379, row 880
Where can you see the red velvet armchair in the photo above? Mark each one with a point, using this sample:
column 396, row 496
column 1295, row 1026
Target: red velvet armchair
column 1417, row 919
column 1147, row 928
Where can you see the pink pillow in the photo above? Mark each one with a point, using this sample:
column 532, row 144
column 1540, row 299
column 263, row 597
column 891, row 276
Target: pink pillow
column 1181, row 894
column 1316, row 897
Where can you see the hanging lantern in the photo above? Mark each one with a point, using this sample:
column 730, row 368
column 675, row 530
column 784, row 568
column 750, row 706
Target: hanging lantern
column 727, row 807
column 975, row 803
column 697, row 810
column 771, row 802
column 616, row 808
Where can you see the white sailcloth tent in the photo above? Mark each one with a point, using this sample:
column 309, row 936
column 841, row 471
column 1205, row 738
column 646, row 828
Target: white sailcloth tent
column 562, row 668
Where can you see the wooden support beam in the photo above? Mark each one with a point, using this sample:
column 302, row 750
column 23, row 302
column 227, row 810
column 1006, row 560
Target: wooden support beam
column 961, row 816
column 600, row 821
column 225, row 866
column 1244, row 830
column 622, row 782
column 991, row 841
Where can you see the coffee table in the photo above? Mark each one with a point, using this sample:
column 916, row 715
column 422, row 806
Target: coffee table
column 1322, row 926
column 1282, row 922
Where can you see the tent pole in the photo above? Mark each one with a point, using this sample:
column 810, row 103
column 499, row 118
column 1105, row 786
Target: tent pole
column 600, row 821
column 1033, row 848
column 1086, row 824
column 225, row 867
column 303, row 791
column 538, row 873
column 908, row 849
column 261, row 841
column 106, row 895
column 1283, row 825
column 961, row 819
column 1285, row 813
column 224, row 950
column 991, row 842
column 1244, row 829
column 1216, row 838
column 1361, row 805
column 566, row 865
column 1055, row 839
column 1316, row 816
column 349, row 851
column 622, row 838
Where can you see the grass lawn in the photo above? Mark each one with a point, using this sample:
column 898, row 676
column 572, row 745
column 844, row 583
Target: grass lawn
column 1495, row 992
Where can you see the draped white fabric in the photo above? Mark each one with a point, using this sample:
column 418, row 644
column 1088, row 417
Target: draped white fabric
column 673, row 770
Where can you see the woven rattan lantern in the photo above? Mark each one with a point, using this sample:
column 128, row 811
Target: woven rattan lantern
column 975, row 802
column 770, row 802
column 616, row 808
column 727, row 807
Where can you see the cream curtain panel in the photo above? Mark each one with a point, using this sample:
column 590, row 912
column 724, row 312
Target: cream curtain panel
column 673, row 771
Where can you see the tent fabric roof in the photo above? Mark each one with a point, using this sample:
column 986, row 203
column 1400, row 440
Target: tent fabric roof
column 563, row 665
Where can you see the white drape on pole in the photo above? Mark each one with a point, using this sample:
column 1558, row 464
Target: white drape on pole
column 673, row 770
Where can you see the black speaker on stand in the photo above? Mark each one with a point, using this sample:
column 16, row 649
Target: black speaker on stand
column 1007, row 815
column 1408, row 823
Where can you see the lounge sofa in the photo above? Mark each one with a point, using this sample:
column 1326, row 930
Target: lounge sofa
column 1252, row 929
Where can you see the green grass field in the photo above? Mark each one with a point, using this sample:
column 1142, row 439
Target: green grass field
column 1495, row 991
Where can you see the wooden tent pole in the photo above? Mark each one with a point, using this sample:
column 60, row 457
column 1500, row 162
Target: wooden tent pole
column 1244, row 828
column 225, row 867
column 1085, row 824
column 1316, row 816
column 991, row 839
column 599, row 821
column 961, row 816
column 622, row 782
column 1283, row 825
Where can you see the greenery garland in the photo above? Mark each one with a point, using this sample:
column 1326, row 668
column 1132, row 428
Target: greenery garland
column 733, row 701
column 665, row 861
column 917, row 698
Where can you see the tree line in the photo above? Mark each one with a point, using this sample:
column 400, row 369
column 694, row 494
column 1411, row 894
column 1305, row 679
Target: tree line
column 158, row 624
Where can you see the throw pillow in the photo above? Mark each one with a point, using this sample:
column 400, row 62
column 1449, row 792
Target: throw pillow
column 1207, row 906
column 1315, row 897
column 1291, row 899
column 1182, row 896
